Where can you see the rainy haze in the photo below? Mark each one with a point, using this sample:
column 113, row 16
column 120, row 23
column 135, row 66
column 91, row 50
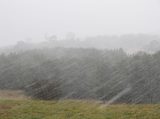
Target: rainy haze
column 99, row 50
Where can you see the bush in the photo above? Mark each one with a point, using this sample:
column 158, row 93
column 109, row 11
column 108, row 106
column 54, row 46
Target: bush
column 44, row 89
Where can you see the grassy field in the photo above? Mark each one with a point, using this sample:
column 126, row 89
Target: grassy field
column 74, row 109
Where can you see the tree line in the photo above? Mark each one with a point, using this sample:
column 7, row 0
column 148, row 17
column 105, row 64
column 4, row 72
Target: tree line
column 78, row 73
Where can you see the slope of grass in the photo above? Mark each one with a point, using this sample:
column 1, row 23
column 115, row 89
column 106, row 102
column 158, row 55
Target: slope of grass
column 72, row 109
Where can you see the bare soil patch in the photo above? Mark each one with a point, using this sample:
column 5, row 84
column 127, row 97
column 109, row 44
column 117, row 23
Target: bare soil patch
column 12, row 94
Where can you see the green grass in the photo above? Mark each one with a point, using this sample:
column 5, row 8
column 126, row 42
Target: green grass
column 74, row 109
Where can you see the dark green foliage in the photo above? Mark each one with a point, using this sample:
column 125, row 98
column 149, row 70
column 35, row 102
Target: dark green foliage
column 44, row 89
column 84, row 74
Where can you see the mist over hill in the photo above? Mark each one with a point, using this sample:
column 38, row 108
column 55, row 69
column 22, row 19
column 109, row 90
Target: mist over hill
column 116, row 69
column 131, row 43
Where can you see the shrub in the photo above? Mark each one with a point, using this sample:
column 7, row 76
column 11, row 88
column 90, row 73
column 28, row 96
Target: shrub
column 44, row 90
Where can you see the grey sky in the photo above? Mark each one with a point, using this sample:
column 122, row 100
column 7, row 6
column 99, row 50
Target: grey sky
column 20, row 19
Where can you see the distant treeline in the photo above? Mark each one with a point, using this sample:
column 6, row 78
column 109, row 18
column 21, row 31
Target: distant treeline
column 130, row 43
column 76, row 73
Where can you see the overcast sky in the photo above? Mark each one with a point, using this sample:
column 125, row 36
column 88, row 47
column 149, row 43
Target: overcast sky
column 22, row 19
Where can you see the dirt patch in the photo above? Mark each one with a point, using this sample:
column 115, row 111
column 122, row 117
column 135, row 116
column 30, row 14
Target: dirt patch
column 12, row 94
column 5, row 107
